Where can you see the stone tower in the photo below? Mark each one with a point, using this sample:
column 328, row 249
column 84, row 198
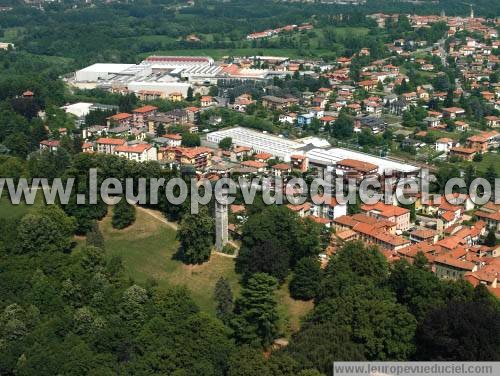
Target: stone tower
column 221, row 223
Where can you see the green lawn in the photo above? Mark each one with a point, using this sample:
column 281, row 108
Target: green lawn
column 488, row 159
column 147, row 249
column 344, row 31
column 316, row 46
column 291, row 311
column 12, row 34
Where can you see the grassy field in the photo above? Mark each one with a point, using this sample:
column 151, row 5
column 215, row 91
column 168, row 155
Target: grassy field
column 291, row 311
column 11, row 34
column 316, row 46
column 488, row 159
column 147, row 249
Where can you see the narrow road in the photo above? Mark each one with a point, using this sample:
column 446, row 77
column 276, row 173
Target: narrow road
column 159, row 217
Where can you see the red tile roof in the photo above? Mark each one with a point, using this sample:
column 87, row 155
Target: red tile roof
column 263, row 156
column 173, row 136
column 110, row 141
column 448, row 216
column 357, row 165
column 385, row 210
column 139, row 148
column 254, row 164
column 145, row 109
column 120, row 116
column 50, row 143
column 281, row 166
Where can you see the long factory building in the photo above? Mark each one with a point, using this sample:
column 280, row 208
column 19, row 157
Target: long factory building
column 318, row 151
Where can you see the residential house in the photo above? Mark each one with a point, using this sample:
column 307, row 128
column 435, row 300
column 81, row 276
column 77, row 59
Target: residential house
column 483, row 141
column 351, row 168
column 141, row 114
column 137, row 152
column 368, row 85
column 325, row 206
column 327, row 120
column 453, row 265
column 396, row 214
column 444, row 144
column 120, row 131
column 372, row 235
column 241, row 102
column 432, row 122
column 281, row 169
column 119, row 120
column 289, row 118
column 107, row 145
column 199, row 157
column 453, row 112
column 299, row 162
column 492, row 121
column 193, row 114
column 319, row 102
column 372, row 108
column 239, row 153
column 449, row 213
column 263, row 157
column 424, row 235
column 461, row 126
column 173, row 139
column 277, row 103
column 324, row 92
column 305, row 119
column 410, row 97
column 259, row 166
column 87, row 147
column 206, row 101
column 490, row 213
column 466, row 154
column 303, row 210
column 374, row 123
column 94, row 130
column 50, row 145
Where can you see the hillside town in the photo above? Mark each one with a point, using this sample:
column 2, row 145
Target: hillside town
column 249, row 188
column 437, row 120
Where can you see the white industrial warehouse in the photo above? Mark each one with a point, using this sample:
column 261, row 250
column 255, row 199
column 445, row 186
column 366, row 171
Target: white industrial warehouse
column 258, row 141
column 163, row 74
column 100, row 71
column 318, row 151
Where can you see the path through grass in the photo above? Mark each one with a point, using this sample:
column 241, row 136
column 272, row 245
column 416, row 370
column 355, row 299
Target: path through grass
column 147, row 249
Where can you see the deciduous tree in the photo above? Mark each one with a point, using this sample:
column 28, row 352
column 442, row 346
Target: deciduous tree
column 123, row 214
column 196, row 235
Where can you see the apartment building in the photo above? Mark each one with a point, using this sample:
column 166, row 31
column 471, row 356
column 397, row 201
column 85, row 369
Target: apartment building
column 137, row 152
column 391, row 213
column 108, row 145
